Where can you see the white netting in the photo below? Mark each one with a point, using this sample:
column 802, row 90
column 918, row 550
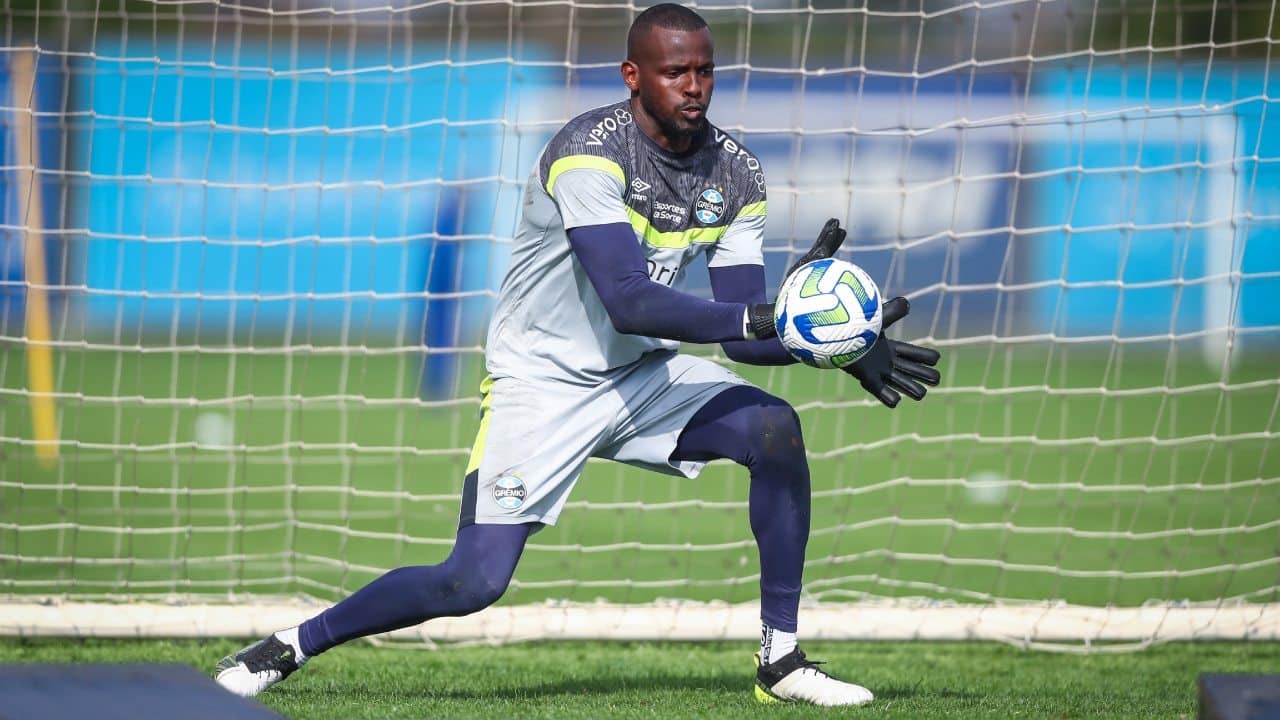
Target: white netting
column 246, row 255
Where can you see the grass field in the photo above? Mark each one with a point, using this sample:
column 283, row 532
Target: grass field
column 707, row 680
column 326, row 473
column 1134, row 476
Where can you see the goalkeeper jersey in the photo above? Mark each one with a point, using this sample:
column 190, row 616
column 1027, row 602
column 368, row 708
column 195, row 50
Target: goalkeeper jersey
column 549, row 323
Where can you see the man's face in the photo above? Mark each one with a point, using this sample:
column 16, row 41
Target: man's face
column 671, row 73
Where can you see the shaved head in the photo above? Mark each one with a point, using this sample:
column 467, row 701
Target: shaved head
column 670, row 72
column 667, row 16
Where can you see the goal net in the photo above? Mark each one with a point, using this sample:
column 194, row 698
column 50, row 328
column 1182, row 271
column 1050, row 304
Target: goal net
column 248, row 251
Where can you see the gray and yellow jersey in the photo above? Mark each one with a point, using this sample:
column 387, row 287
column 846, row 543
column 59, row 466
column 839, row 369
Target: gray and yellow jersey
column 600, row 168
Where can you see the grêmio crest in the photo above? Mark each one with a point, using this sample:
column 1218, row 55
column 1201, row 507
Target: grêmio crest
column 710, row 206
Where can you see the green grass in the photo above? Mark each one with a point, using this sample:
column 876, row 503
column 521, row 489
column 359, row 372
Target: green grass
column 332, row 477
column 711, row 680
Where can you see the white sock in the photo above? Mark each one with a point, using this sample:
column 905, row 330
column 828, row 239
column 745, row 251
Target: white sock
column 775, row 644
column 290, row 637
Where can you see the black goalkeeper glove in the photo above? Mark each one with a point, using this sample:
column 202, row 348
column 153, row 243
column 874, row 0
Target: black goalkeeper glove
column 891, row 366
column 760, row 316
column 828, row 242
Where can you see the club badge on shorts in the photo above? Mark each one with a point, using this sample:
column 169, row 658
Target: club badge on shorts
column 710, row 206
column 509, row 491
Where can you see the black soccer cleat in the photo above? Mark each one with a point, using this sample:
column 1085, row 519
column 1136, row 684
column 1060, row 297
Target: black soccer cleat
column 257, row 667
column 795, row 678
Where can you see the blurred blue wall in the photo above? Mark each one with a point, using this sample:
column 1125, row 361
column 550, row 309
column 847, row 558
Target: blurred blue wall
column 48, row 126
column 243, row 194
column 1159, row 173
column 298, row 191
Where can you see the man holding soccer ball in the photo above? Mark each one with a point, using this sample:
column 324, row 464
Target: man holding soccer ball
column 582, row 362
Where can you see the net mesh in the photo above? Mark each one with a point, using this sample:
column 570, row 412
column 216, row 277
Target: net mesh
column 249, row 251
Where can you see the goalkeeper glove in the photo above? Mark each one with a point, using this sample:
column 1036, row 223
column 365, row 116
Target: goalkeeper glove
column 828, row 242
column 891, row 366
column 760, row 316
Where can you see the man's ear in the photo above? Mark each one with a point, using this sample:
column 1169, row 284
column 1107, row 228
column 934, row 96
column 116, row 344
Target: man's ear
column 631, row 75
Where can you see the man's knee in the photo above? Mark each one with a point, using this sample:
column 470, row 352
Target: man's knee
column 471, row 590
column 480, row 567
column 776, row 429
column 465, row 586
column 487, row 589
column 744, row 424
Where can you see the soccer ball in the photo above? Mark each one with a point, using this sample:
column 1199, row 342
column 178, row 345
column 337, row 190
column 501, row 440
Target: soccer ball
column 828, row 313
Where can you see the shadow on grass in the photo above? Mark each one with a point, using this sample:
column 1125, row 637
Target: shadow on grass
column 606, row 683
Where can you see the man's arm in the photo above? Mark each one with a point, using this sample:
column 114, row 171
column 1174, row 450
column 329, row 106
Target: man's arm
column 636, row 305
column 745, row 284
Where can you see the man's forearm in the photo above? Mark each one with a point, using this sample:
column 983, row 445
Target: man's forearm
column 636, row 305
column 745, row 284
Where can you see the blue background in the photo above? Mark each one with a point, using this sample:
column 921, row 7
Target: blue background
column 296, row 202
column 49, row 83
column 233, row 193
column 1145, row 171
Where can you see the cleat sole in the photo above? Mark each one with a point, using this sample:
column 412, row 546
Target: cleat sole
column 763, row 696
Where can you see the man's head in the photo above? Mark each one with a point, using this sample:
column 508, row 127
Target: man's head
column 669, row 70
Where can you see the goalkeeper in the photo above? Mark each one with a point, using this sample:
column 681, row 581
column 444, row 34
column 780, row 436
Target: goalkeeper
column 582, row 362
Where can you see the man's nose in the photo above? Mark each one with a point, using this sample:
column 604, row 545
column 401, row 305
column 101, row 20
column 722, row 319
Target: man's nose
column 692, row 87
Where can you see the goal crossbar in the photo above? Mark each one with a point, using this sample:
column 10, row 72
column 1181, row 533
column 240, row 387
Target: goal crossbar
column 1032, row 624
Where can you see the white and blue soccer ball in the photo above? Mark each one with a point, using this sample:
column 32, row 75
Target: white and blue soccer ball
column 828, row 313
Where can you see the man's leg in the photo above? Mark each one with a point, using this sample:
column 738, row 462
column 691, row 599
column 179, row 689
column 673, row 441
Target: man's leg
column 761, row 432
column 473, row 577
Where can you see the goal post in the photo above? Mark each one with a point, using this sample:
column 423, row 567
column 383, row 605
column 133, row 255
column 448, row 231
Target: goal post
column 269, row 238
column 1051, row 626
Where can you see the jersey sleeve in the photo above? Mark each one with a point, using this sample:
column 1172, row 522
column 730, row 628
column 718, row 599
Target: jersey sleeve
column 587, row 191
column 743, row 240
column 582, row 174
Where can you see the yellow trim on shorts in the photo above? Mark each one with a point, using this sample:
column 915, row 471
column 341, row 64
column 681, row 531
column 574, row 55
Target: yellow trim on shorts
column 582, row 162
column 477, row 448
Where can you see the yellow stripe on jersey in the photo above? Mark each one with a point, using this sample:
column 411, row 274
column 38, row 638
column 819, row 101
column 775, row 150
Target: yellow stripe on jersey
column 676, row 240
column 582, row 162
column 755, row 208
column 477, row 449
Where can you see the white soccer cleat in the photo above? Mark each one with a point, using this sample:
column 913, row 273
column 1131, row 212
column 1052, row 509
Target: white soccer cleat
column 794, row 678
column 257, row 667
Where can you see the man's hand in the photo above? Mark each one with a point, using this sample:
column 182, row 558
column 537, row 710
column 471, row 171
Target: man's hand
column 892, row 366
column 760, row 316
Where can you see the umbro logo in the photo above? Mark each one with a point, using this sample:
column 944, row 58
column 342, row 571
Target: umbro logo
column 639, row 185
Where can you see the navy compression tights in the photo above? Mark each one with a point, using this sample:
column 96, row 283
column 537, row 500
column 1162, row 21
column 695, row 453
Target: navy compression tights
column 743, row 424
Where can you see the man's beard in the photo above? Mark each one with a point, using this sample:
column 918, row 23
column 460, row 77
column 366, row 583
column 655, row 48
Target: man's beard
column 682, row 127
column 677, row 127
